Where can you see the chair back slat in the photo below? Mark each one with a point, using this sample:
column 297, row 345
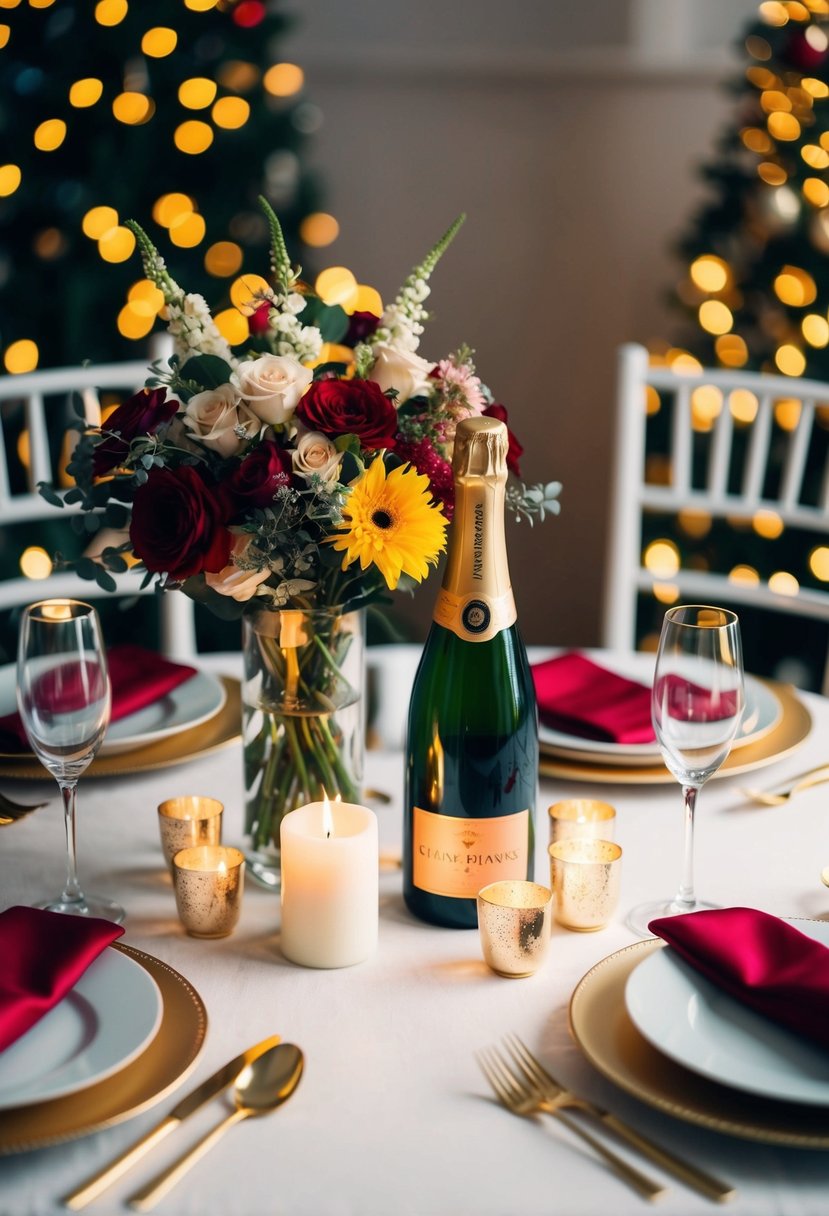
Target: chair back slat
column 681, row 441
column 758, row 455
column 794, row 465
column 720, row 459
column 40, row 464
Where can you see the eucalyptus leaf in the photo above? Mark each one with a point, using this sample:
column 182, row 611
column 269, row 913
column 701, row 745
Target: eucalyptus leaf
column 86, row 568
column 105, row 580
column 207, row 370
column 45, row 490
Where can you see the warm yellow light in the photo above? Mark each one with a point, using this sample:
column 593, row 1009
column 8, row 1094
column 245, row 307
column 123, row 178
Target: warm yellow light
column 49, row 243
column 773, row 12
column 790, row 361
column 731, row 350
column 333, row 352
column 757, row 47
column 223, row 259
column 795, row 287
column 193, row 137
column 772, row 174
column 744, row 574
column 653, row 402
column 249, row 292
column 814, row 35
column 816, row 191
column 665, row 593
column 743, row 405
column 319, row 229
column 186, row 231
column 767, row 524
column 99, row 220
column 661, row 558
column 774, row 101
column 85, row 92
column 238, row 75
column 336, row 285
column 9, row 3
column 50, row 134
column 116, row 244
column 787, row 413
column 819, row 563
column 145, row 297
column 368, row 300
column 817, row 88
column 706, row 406
column 784, row 127
column 284, row 79
column 231, row 113
column 715, row 317
column 159, row 42
column 5, row 34
column 133, row 108
column 709, row 272
column 232, row 326
column 21, row 357
column 815, row 156
column 815, row 330
column 762, row 78
column 783, row 583
column 756, row 140
column 694, row 523
column 110, row 12
column 35, row 562
column 197, row 93
column 10, row 179
column 133, row 323
column 169, row 207
column 682, row 362
column 200, row 6
column 41, row 3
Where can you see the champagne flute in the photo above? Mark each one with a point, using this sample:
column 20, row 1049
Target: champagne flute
column 63, row 694
column 696, row 704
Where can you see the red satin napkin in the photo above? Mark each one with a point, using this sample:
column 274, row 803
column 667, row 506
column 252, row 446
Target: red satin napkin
column 139, row 677
column 765, row 963
column 42, row 956
column 579, row 697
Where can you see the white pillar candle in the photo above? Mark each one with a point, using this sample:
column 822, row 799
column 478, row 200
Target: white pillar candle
column 330, row 900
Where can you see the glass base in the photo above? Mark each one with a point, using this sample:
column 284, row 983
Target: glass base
column 263, row 868
column 87, row 905
column 640, row 917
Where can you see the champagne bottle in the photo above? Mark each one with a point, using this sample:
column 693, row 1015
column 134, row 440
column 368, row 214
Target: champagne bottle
column 472, row 754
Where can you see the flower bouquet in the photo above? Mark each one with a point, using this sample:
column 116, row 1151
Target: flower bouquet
column 292, row 482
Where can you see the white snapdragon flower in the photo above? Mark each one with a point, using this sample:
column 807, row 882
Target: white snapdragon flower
column 194, row 329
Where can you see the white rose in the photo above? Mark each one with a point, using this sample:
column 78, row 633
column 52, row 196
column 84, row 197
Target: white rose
column 400, row 369
column 315, row 454
column 272, row 386
column 212, row 416
column 235, row 582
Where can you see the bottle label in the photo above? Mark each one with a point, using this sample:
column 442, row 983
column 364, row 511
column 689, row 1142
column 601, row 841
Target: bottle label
column 477, row 617
column 456, row 857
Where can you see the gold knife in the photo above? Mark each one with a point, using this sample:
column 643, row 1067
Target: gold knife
column 211, row 1088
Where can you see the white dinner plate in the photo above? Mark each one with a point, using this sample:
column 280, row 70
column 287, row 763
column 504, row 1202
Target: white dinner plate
column 696, row 1024
column 762, row 714
column 110, row 1015
column 194, row 701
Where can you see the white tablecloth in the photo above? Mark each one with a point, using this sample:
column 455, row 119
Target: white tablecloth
column 392, row 1115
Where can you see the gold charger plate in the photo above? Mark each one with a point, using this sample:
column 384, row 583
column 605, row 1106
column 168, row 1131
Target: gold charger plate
column 217, row 732
column 792, row 729
column 170, row 1056
column 600, row 1024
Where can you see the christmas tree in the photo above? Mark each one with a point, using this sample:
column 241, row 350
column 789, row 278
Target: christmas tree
column 177, row 113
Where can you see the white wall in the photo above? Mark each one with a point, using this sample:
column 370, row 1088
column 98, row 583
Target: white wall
column 571, row 141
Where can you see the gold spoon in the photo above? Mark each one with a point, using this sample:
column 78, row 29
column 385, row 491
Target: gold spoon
column 261, row 1088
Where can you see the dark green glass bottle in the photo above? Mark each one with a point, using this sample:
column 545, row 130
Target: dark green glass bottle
column 472, row 754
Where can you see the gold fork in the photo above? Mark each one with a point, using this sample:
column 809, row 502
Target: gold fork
column 815, row 776
column 534, row 1071
column 522, row 1097
column 11, row 811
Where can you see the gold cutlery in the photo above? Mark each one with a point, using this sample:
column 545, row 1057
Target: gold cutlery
column 814, row 776
column 523, row 1097
column 11, row 811
column 263, row 1086
column 220, row 1080
column 690, row 1174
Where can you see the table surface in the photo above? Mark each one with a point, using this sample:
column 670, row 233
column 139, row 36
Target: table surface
column 393, row 1115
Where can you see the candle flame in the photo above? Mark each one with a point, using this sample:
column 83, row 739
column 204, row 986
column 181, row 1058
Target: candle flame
column 221, row 868
column 327, row 817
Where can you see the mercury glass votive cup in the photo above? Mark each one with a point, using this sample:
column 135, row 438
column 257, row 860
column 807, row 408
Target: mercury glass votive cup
column 208, row 882
column 188, row 821
column 585, row 876
column 582, row 817
column 514, row 921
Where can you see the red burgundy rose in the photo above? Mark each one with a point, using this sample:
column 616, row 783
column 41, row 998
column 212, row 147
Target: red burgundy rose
column 349, row 407
column 361, row 325
column 255, row 480
column 178, row 524
column 141, row 414
column 515, row 451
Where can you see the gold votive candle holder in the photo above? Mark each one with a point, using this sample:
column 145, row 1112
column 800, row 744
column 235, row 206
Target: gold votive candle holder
column 208, row 881
column 514, row 922
column 585, row 877
column 582, row 817
column 188, row 821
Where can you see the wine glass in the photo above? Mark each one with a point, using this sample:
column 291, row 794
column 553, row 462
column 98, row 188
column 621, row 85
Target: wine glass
column 696, row 705
column 63, row 694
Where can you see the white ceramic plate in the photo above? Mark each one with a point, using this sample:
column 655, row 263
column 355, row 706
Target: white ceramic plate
column 110, row 1015
column 694, row 1023
column 193, row 702
column 762, row 714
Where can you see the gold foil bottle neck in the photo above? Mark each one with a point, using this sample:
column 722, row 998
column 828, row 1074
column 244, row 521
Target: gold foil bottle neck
column 480, row 448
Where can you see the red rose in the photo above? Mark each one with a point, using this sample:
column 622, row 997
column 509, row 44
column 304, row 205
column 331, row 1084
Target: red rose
column 255, row 480
column 515, row 450
column 361, row 325
column 259, row 320
column 177, row 524
column 349, row 407
column 140, row 415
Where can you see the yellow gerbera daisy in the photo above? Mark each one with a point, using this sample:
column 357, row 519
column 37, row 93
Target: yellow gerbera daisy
column 390, row 520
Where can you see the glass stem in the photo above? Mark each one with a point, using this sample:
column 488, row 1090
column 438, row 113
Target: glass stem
column 72, row 893
column 685, row 898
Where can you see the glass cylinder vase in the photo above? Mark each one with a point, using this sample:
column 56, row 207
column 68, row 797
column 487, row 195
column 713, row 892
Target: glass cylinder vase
column 302, row 720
